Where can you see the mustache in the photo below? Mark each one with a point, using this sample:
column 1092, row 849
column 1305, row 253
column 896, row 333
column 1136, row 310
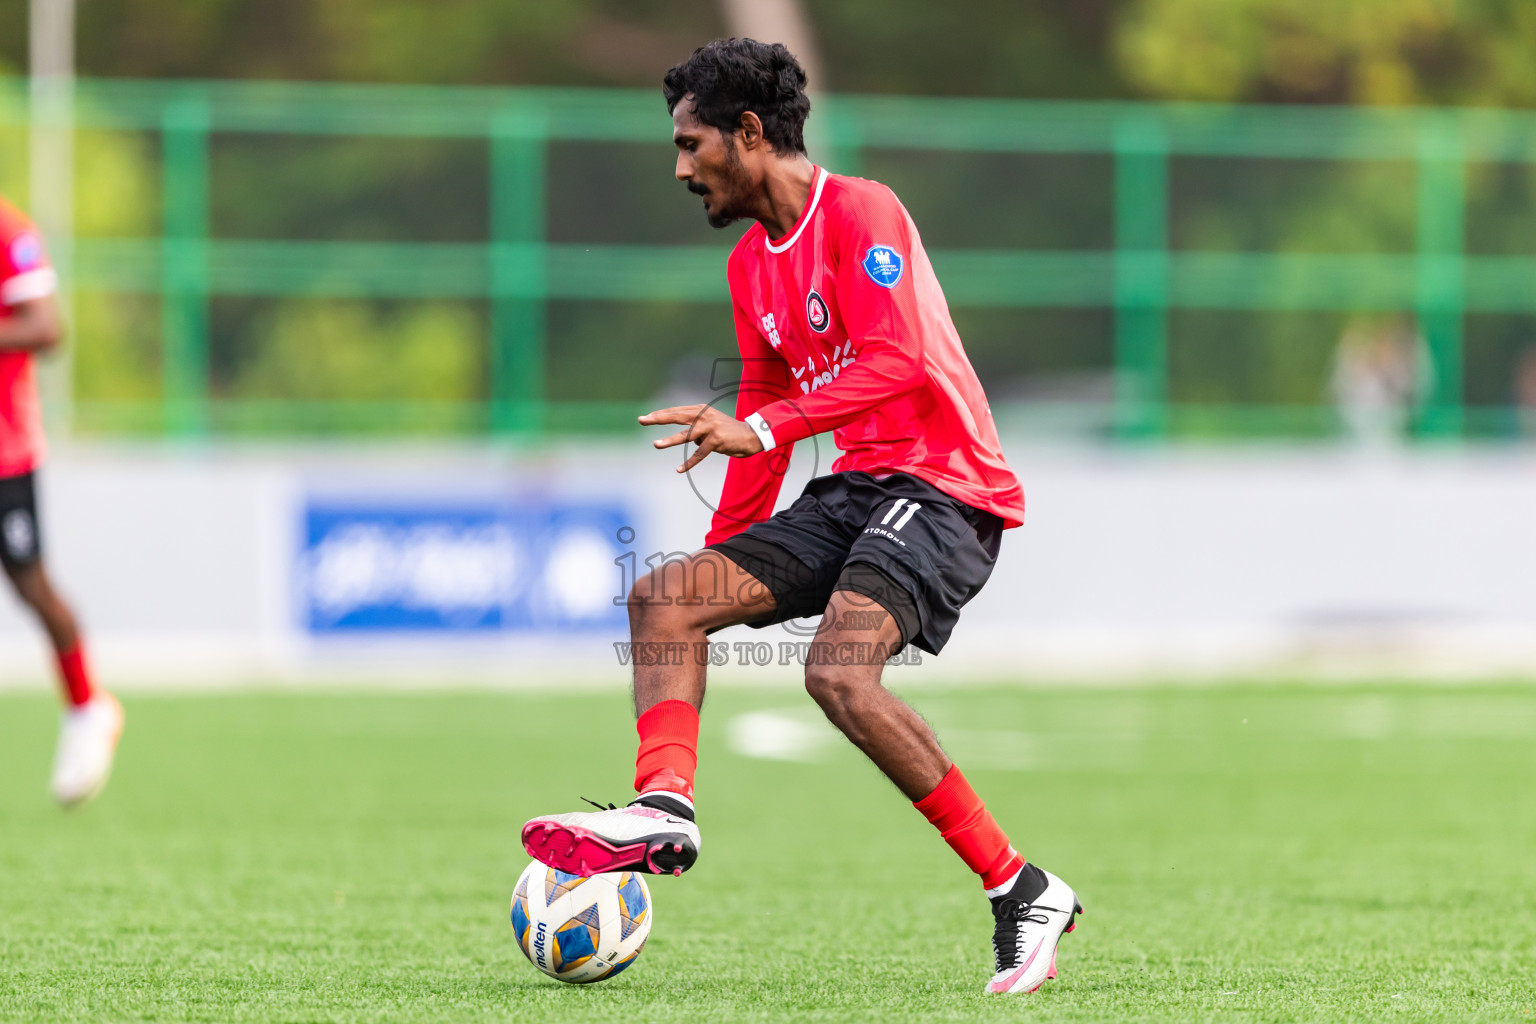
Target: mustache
column 697, row 189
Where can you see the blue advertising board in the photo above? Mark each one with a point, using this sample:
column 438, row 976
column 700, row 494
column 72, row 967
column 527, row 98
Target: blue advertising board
column 463, row 567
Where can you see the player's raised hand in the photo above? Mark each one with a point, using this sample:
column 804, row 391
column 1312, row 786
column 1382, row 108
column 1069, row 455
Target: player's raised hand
column 706, row 426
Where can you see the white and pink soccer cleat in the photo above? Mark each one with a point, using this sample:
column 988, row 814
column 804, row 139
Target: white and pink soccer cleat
column 657, row 836
column 1029, row 922
column 88, row 736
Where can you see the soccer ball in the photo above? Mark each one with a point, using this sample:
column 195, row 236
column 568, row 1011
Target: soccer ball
column 579, row 929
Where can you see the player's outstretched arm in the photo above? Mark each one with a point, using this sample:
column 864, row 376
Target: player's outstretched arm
column 33, row 326
column 708, row 427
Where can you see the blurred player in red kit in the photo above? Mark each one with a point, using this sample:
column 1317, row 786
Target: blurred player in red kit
column 842, row 326
column 30, row 322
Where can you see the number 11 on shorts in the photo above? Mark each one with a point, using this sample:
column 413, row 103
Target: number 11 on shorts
column 911, row 511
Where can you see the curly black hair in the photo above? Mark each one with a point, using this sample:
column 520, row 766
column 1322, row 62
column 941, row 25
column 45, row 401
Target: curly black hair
column 731, row 76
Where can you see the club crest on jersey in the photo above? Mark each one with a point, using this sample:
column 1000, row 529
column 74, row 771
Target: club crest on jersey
column 884, row 265
column 26, row 251
column 816, row 312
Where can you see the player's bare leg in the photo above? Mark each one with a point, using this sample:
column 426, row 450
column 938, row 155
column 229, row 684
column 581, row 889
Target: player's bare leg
column 93, row 722
column 36, row 590
column 681, row 603
column 671, row 613
column 1031, row 908
column 843, row 675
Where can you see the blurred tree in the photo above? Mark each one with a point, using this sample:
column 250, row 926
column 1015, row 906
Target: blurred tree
column 351, row 188
column 1363, row 51
column 357, row 351
column 1044, row 49
column 115, row 338
column 117, row 348
column 13, row 164
column 572, row 42
column 1369, row 52
column 1387, row 52
column 984, row 47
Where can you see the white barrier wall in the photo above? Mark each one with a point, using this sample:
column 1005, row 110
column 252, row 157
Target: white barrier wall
column 200, row 567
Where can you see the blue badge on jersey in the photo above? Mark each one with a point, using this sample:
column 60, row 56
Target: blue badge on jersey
column 884, row 265
column 26, row 251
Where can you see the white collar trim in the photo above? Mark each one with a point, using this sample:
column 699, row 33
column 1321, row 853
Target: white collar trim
column 805, row 218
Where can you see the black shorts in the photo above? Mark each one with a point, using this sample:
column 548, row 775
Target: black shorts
column 20, row 545
column 898, row 540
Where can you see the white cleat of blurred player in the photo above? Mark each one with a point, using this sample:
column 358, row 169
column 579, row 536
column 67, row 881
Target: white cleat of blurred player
column 1026, row 930
column 87, row 743
column 655, row 834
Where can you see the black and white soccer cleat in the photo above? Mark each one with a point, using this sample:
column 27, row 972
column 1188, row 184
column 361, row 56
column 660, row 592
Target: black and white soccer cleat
column 1028, row 922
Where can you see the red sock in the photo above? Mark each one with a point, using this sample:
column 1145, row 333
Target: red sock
column 969, row 828
column 75, row 676
column 669, row 744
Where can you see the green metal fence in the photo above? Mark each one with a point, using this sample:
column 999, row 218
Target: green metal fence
column 518, row 271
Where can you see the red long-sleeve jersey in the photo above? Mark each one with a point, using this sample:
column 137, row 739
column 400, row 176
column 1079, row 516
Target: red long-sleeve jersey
column 25, row 275
column 842, row 326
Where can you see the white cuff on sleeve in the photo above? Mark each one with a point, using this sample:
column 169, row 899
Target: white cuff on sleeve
column 34, row 284
column 763, row 431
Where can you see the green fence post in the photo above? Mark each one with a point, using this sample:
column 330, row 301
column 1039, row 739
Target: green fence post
column 1441, row 302
column 1141, row 277
column 519, row 282
column 184, row 265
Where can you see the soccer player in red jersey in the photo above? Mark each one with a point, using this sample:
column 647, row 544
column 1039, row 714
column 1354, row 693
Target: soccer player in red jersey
column 30, row 322
column 842, row 326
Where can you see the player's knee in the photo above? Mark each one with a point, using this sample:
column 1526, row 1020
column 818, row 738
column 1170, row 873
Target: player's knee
column 641, row 600
column 832, row 686
column 652, row 606
column 27, row 581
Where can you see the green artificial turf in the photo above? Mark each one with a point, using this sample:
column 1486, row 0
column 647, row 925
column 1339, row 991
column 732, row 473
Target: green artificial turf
column 1245, row 853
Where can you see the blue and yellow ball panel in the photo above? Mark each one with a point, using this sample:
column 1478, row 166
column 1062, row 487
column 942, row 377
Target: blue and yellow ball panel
column 520, row 914
column 558, row 883
column 574, row 944
column 615, row 969
column 622, row 964
column 633, row 905
column 520, row 920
